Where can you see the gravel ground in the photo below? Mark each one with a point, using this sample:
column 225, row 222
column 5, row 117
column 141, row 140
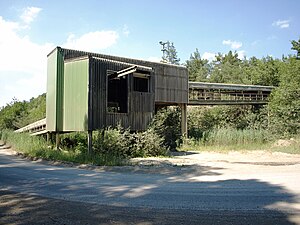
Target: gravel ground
column 20, row 209
column 255, row 187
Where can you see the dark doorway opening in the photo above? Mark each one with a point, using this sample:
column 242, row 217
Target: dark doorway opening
column 117, row 95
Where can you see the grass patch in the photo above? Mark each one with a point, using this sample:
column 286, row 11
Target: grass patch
column 34, row 146
column 226, row 139
column 111, row 146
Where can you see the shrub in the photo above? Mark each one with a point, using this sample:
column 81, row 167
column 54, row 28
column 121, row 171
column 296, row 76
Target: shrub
column 148, row 143
column 113, row 141
column 75, row 141
column 121, row 143
column 166, row 124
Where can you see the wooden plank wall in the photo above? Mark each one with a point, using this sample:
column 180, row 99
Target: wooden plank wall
column 171, row 85
column 140, row 104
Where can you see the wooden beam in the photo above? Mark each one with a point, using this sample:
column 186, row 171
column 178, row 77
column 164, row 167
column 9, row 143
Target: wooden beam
column 90, row 142
column 57, row 141
column 184, row 130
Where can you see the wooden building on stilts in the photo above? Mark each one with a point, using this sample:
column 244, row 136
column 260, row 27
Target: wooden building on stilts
column 89, row 91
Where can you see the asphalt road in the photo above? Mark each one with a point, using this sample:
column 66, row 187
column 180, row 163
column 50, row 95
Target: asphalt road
column 207, row 193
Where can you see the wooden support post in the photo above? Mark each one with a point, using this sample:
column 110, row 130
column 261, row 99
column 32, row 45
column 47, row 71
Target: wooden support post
column 184, row 130
column 48, row 138
column 57, row 140
column 90, row 142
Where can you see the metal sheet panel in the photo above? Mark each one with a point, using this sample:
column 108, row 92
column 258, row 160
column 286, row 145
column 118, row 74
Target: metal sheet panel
column 59, row 90
column 75, row 103
column 51, row 91
column 54, row 98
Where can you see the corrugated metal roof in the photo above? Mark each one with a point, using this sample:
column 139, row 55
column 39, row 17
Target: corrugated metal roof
column 147, row 68
column 118, row 58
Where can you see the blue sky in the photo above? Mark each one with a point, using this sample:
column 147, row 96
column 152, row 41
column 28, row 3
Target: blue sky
column 29, row 30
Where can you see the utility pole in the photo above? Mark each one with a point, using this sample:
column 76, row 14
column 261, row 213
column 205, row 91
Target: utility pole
column 164, row 49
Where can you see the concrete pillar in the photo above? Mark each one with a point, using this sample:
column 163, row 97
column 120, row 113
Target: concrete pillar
column 184, row 130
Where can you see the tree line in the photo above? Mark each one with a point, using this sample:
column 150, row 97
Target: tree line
column 281, row 116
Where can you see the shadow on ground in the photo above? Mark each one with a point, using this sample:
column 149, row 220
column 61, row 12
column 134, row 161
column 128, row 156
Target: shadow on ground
column 77, row 196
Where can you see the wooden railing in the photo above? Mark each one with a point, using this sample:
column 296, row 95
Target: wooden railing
column 227, row 94
column 36, row 128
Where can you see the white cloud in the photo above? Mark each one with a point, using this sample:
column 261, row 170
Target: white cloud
column 92, row 41
column 154, row 59
column 241, row 54
column 232, row 44
column 281, row 23
column 126, row 31
column 29, row 14
column 23, row 64
column 209, row 56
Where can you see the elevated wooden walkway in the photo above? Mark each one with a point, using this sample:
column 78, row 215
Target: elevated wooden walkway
column 201, row 93
column 36, row 128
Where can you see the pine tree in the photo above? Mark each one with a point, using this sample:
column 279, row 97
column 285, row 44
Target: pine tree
column 296, row 47
column 198, row 68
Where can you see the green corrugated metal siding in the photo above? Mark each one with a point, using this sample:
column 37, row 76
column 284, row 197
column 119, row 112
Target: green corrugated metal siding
column 55, row 73
column 75, row 104
column 60, row 89
column 51, row 92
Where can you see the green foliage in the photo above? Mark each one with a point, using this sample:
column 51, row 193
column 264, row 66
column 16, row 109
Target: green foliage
column 76, row 141
column 296, row 47
column 19, row 114
column 121, row 143
column 264, row 71
column 202, row 120
column 235, row 137
column 35, row 110
column 221, row 139
column 198, row 68
column 166, row 123
column 281, row 117
column 34, row 146
column 285, row 100
column 23, row 141
column 149, row 143
column 11, row 113
column 228, row 68
column 113, row 141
